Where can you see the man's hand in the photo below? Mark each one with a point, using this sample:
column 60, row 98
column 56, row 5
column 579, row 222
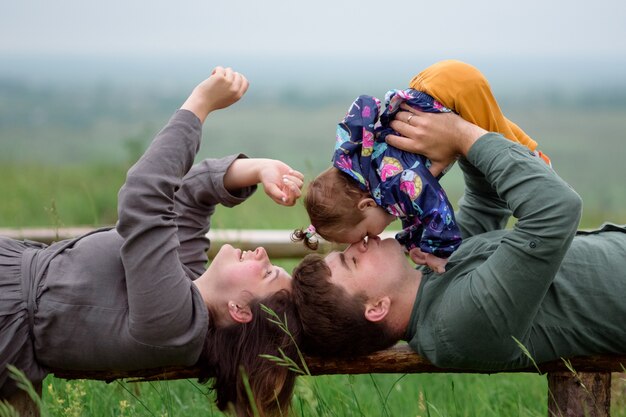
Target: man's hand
column 441, row 137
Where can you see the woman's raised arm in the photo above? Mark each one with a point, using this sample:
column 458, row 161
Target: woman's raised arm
column 160, row 294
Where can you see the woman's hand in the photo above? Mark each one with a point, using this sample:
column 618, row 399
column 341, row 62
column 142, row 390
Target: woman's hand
column 441, row 137
column 223, row 88
column 280, row 182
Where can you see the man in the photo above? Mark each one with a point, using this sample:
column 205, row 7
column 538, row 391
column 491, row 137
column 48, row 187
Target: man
column 538, row 284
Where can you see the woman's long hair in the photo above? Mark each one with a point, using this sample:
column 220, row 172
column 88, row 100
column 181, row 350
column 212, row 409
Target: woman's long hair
column 232, row 354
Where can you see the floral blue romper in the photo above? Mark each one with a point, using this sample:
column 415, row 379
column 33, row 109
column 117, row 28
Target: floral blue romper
column 398, row 181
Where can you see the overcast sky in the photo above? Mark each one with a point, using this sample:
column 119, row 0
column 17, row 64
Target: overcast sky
column 318, row 27
column 384, row 39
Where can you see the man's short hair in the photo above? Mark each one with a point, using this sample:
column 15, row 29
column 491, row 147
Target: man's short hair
column 333, row 321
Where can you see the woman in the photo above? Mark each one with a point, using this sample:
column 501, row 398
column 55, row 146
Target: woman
column 137, row 296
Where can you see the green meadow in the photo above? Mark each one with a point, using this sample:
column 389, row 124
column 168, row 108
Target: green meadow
column 62, row 162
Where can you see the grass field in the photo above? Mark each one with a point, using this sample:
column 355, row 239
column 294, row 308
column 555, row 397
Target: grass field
column 445, row 395
column 587, row 149
column 64, row 185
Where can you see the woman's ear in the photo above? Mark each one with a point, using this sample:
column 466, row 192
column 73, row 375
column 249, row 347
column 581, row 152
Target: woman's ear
column 377, row 311
column 365, row 203
column 241, row 314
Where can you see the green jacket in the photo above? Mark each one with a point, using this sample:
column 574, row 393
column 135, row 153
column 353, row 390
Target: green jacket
column 559, row 293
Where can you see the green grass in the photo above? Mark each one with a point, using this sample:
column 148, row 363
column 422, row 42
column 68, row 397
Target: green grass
column 362, row 395
column 586, row 146
column 448, row 395
column 59, row 195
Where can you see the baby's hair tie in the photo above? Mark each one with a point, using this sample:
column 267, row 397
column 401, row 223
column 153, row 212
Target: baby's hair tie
column 310, row 232
column 307, row 236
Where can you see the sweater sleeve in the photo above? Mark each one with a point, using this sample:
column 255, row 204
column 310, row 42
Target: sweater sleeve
column 501, row 296
column 480, row 208
column 201, row 191
column 160, row 294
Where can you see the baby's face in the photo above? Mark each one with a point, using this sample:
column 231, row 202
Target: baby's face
column 375, row 222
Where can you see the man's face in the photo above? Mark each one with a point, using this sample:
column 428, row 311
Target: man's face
column 371, row 266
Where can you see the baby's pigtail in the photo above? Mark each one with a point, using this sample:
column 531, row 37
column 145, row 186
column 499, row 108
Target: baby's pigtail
column 308, row 236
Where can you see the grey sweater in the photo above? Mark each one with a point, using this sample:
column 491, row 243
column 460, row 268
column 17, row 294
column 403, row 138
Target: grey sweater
column 124, row 298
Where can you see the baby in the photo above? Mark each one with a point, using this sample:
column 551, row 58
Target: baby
column 371, row 183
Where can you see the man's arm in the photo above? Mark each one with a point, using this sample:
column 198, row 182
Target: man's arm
column 480, row 209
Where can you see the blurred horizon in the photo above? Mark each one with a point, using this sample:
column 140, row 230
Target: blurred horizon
column 512, row 74
column 62, row 109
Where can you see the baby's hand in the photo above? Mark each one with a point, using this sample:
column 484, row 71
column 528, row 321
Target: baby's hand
column 280, row 182
column 433, row 262
column 223, row 88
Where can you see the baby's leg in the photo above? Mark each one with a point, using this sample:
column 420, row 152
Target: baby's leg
column 464, row 89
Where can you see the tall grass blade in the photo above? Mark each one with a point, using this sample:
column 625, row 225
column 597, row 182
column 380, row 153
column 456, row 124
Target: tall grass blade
column 123, row 386
column 527, row 354
column 7, row 410
column 246, row 384
column 23, row 383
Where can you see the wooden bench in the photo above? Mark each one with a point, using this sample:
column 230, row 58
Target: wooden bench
column 579, row 388
column 586, row 392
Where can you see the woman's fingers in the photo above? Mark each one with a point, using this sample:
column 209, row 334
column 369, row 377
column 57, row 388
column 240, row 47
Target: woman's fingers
column 296, row 174
column 239, row 83
column 244, row 86
column 276, row 193
column 229, row 74
column 286, row 193
column 297, row 180
column 292, row 189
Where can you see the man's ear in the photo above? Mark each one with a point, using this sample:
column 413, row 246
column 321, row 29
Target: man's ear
column 366, row 203
column 241, row 314
column 377, row 311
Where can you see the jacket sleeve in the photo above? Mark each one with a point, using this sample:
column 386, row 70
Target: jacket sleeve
column 480, row 209
column 201, row 191
column 160, row 294
column 501, row 296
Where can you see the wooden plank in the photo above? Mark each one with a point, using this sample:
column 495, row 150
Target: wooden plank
column 398, row 359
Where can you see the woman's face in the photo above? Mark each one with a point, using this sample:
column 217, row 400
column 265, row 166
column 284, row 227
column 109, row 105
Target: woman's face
column 247, row 274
